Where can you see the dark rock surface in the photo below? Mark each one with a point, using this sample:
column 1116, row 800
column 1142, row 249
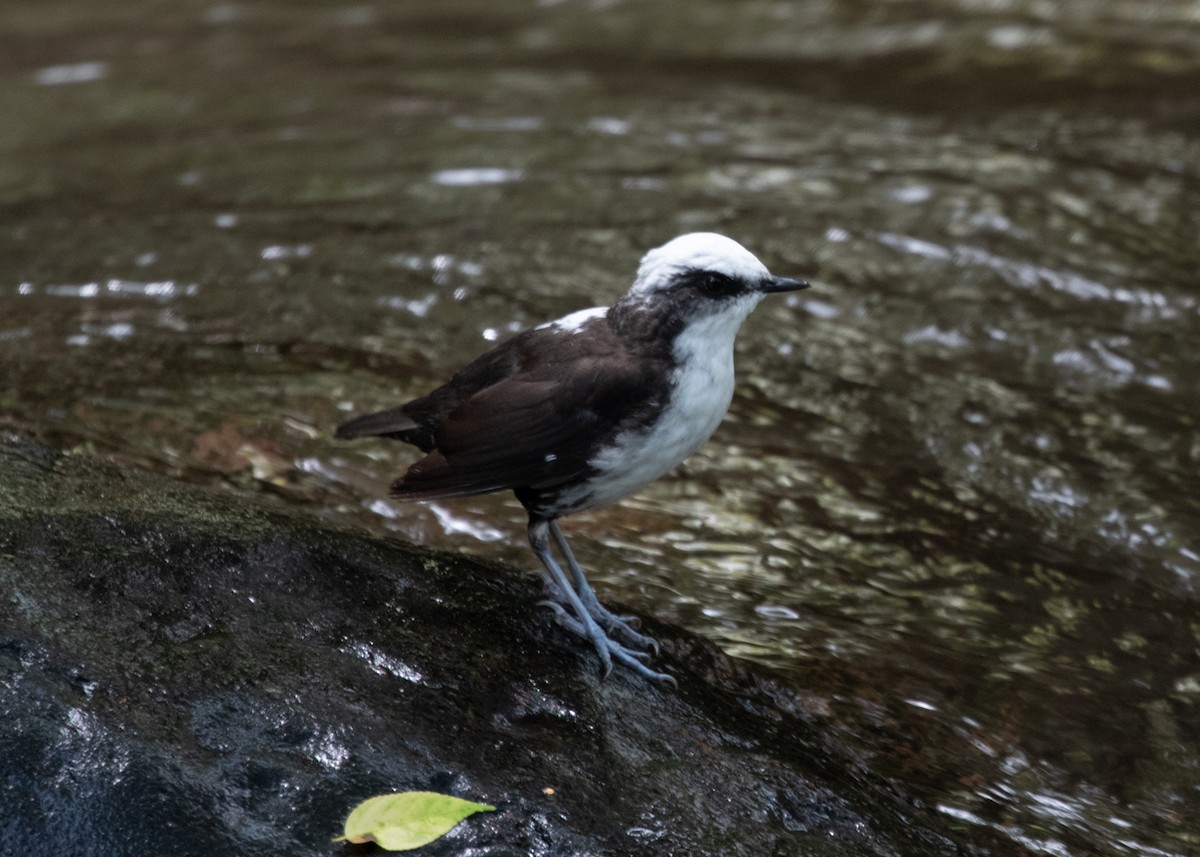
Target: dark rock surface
column 182, row 672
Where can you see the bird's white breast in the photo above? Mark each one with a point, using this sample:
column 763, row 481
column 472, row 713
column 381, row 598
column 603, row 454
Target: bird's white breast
column 701, row 390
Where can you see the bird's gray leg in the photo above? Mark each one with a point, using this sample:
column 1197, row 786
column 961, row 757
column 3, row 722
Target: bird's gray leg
column 611, row 622
column 582, row 622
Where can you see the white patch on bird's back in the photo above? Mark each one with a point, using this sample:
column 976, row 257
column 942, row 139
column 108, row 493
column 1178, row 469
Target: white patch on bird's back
column 576, row 321
column 702, row 388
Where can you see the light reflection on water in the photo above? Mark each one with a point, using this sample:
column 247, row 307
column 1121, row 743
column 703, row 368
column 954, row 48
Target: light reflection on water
column 955, row 496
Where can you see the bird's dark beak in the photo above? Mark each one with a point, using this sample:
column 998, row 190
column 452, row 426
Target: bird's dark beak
column 782, row 284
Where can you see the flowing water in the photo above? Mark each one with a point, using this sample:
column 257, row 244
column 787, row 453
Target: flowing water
column 956, row 493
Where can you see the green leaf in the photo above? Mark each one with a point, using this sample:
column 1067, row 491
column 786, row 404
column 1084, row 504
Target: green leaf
column 407, row 820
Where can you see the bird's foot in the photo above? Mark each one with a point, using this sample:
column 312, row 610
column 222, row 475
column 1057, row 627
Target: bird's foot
column 622, row 627
column 606, row 647
column 566, row 620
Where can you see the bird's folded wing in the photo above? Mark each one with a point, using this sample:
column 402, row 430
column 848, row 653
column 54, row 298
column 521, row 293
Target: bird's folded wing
column 535, row 432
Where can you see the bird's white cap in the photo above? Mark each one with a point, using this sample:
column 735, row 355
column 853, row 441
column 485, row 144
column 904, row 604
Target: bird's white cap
column 697, row 251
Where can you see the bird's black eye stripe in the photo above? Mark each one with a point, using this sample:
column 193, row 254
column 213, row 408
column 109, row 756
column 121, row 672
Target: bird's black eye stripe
column 712, row 283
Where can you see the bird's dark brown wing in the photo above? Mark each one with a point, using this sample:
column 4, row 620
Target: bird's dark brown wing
column 536, row 429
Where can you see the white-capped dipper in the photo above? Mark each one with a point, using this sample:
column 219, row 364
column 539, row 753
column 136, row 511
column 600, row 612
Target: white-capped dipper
column 583, row 411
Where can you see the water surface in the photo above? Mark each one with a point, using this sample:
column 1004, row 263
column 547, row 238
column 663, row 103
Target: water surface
column 955, row 495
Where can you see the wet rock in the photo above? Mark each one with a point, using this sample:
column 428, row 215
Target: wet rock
column 183, row 672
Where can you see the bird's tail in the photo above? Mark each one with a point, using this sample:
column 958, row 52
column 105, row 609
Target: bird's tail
column 392, row 423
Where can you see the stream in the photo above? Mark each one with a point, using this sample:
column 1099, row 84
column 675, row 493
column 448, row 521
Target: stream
column 955, row 496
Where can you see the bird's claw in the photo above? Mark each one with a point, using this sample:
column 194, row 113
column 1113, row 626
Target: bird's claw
column 607, row 649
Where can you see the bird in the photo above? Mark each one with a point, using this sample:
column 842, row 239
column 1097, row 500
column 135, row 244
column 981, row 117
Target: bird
column 578, row 413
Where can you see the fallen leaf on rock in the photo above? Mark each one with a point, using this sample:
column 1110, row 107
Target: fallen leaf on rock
column 407, row 820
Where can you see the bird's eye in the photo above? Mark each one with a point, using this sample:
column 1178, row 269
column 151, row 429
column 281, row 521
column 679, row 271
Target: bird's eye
column 717, row 285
